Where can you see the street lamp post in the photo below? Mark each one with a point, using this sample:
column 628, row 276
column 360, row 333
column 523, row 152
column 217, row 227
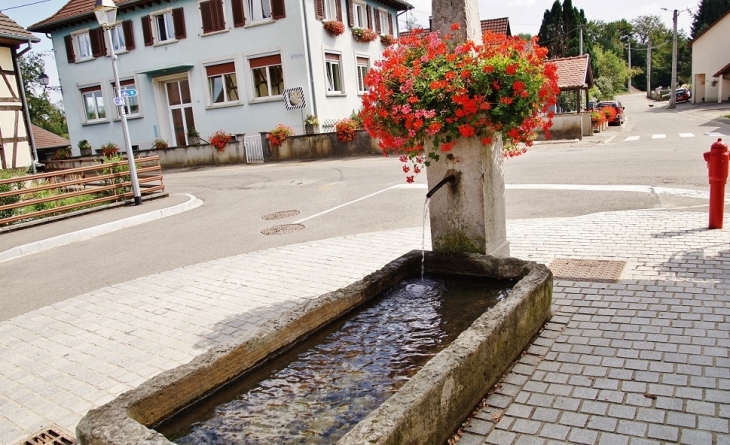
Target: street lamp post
column 673, row 96
column 106, row 15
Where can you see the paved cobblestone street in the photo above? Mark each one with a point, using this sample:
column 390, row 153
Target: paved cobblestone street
column 641, row 361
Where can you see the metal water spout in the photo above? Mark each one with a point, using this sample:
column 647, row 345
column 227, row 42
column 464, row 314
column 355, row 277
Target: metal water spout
column 451, row 177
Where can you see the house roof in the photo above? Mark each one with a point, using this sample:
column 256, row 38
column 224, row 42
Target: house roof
column 574, row 73
column 11, row 31
column 709, row 27
column 499, row 26
column 78, row 10
column 723, row 71
column 45, row 139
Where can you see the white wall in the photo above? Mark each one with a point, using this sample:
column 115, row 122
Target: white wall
column 710, row 53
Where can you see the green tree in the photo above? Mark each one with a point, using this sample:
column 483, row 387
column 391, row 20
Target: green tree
column 560, row 31
column 709, row 12
column 42, row 112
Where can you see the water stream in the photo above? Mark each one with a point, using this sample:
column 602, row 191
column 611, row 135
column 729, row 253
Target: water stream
column 322, row 387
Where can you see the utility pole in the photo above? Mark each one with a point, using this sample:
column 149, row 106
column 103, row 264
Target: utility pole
column 581, row 39
column 648, row 71
column 673, row 97
column 629, row 64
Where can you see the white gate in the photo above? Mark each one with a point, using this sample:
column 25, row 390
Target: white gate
column 254, row 148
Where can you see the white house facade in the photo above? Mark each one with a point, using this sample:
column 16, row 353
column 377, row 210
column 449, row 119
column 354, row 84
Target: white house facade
column 711, row 63
column 212, row 65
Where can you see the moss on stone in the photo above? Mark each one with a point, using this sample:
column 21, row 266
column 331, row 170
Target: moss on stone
column 458, row 241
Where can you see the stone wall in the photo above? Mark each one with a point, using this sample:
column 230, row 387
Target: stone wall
column 323, row 145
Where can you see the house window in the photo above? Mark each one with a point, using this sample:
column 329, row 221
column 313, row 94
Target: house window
column 82, row 46
column 164, row 26
column 363, row 65
column 268, row 77
column 334, row 73
column 360, row 19
column 383, row 22
column 131, row 104
column 118, row 40
column 93, row 102
column 222, row 83
column 330, row 9
column 212, row 15
column 259, row 10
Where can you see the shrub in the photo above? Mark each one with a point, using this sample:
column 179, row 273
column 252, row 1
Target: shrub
column 61, row 153
column 110, row 149
column 279, row 135
column 12, row 187
column 158, row 144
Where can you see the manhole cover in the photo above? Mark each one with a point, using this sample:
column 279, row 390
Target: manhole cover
column 50, row 436
column 281, row 215
column 587, row 270
column 281, row 230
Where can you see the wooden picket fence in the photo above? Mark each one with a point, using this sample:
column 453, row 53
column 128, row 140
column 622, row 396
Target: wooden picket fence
column 31, row 197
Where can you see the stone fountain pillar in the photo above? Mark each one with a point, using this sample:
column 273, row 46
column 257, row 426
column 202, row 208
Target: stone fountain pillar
column 469, row 216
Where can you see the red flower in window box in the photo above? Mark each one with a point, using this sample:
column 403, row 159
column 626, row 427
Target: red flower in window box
column 219, row 139
column 334, row 27
column 345, row 129
column 387, row 39
column 364, row 35
column 279, row 134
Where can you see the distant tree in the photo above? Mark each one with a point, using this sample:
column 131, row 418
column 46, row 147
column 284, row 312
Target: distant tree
column 524, row 35
column 708, row 12
column 560, row 31
column 42, row 112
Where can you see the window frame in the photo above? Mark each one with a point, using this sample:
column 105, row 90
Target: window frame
column 253, row 98
column 210, row 103
column 98, row 93
column 384, row 22
column 251, row 20
column 329, row 63
column 118, row 30
column 358, row 20
column 330, row 15
column 361, row 78
column 124, row 83
column 77, row 48
column 156, row 28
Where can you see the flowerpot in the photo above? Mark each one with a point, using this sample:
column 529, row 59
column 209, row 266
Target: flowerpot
column 193, row 140
column 311, row 129
column 86, row 151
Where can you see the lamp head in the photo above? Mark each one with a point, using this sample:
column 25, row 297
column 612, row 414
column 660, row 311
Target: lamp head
column 106, row 13
column 43, row 79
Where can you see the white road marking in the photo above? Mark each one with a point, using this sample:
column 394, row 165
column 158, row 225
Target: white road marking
column 632, row 138
column 686, row 135
column 715, row 134
column 658, row 136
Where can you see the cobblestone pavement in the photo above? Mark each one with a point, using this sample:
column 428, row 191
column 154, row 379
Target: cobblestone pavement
column 641, row 361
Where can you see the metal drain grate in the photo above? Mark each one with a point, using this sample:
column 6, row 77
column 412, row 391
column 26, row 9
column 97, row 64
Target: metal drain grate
column 281, row 215
column 50, row 436
column 602, row 271
column 283, row 229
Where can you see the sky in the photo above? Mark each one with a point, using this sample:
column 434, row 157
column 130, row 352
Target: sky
column 525, row 15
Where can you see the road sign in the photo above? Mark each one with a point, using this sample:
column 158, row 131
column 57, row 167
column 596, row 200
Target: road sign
column 119, row 101
column 128, row 92
column 294, row 98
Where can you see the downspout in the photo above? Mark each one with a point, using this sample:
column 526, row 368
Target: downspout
column 309, row 56
column 26, row 114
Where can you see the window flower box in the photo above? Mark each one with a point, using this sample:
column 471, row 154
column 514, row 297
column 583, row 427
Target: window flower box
column 364, row 35
column 334, row 27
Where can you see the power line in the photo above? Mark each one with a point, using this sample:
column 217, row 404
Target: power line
column 23, row 6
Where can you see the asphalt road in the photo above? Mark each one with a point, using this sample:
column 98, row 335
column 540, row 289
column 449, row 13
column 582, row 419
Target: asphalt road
column 349, row 196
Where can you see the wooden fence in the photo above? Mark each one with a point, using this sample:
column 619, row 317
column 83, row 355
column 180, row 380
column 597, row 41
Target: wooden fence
column 36, row 196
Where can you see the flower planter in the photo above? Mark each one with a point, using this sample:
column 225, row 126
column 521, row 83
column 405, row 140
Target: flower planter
column 193, row 140
column 311, row 129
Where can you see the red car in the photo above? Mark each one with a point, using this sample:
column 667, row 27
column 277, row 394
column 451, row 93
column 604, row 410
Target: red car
column 682, row 95
column 620, row 117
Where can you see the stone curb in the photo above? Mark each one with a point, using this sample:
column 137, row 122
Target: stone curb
column 102, row 229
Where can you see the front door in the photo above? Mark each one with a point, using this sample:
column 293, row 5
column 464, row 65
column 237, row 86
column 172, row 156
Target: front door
column 181, row 110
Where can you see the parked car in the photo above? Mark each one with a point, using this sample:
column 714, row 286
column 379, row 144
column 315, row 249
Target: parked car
column 683, row 95
column 620, row 116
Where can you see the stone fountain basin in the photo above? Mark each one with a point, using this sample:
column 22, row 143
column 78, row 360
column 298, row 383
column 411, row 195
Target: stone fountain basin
column 428, row 409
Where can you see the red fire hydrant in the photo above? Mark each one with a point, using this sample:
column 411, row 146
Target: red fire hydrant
column 717, row 163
